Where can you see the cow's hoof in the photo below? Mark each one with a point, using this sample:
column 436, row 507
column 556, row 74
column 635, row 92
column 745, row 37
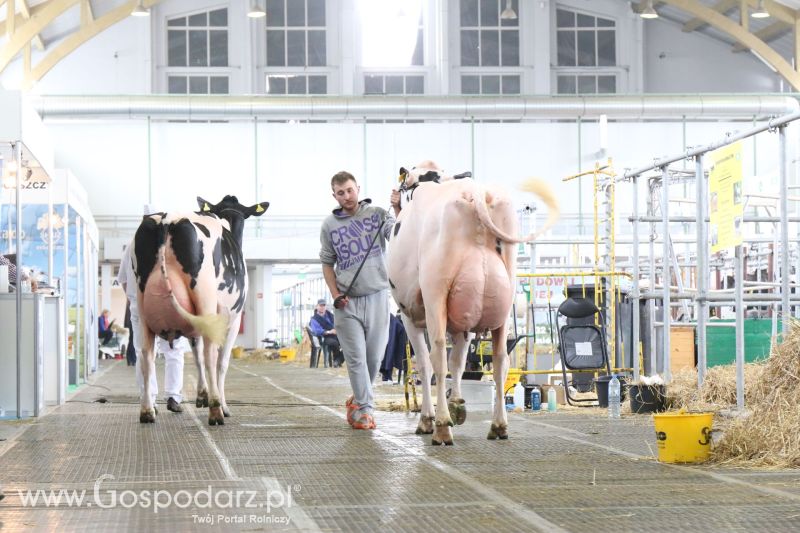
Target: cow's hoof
column 498, row 432
column 442, row 435
column 202, row 399
column 425, row 426
column 147, row 416
column 215, row 417
column 458, row 410
column 226, row 412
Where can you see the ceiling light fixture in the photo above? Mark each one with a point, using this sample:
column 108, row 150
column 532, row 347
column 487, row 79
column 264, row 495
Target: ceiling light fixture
column 508, row 13
column 255, row 11
column 760, row 12
column 649, row 12
column 140, row 10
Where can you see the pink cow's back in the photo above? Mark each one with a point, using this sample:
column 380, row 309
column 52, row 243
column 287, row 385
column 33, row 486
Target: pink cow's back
column 446, row 246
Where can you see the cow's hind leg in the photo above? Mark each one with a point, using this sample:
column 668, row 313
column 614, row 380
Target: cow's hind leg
column 416, row 337
column 436, row 321
column 457, row 362
column 147, row 413
column 211, row 354
column 202, row 386
column 224, row 360
column 500, row 364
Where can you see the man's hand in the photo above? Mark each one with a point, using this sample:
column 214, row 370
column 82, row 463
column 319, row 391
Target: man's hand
column 394, row 201
column 332, row 331
column 341, row 301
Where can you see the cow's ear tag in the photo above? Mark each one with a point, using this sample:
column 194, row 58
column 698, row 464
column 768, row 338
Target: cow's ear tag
column 205, row 207
column 259, row 209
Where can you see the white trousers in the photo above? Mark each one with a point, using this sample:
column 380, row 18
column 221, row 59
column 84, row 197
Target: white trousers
column 173, row 363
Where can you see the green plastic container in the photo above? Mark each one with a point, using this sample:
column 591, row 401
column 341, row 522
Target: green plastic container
column 721, row 342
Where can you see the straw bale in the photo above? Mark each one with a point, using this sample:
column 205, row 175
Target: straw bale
column 769, row 434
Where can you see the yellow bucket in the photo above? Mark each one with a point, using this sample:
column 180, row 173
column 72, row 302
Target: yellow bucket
column 512, row 379
column 237, row 352
column 683, row 437
column 287, row 354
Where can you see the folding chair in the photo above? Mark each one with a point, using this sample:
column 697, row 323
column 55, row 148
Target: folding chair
column 316, row 348
column 581, row 345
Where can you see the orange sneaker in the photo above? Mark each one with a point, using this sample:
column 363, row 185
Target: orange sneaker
column 365, row 421
column 351, row 408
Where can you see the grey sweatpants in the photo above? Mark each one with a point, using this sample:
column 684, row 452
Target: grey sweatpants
column 363, row 331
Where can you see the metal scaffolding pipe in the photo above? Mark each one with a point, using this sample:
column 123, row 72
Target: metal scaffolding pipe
column 727, row 297
column 739, row 331
column 412, row 107
column 666, row 310
column 635, row 286
column 702, row 267
column 778, row 122
column 784, row 209
column 708, row 325
column 684, row 218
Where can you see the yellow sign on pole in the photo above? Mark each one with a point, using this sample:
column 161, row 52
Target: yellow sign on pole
column 726, row 198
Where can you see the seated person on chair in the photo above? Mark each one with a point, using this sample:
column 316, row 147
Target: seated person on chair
column 12, row 271
column 104, row 331
column 321, row 325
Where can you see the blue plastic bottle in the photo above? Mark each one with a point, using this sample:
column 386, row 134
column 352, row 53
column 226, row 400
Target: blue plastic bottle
column 536, row 399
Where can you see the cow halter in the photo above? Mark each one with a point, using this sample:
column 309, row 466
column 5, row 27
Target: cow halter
column 431, row 176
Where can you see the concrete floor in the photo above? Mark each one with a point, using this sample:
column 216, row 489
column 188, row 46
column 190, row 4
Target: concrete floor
column 289, row 456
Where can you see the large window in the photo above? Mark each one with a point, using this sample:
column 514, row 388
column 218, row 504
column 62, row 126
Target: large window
column 490, row 84
column 199, row 40
column 197, row 53
column 392, row 33
column 490, row 48
column 394, row 84
column 586, row 50
column 296, row 52
column 586, row 84
column 487, row 40
column 197, row 84
column 296, row 84
column 296, row 33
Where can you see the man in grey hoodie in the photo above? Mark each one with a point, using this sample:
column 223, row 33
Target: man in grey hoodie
column 362, row 315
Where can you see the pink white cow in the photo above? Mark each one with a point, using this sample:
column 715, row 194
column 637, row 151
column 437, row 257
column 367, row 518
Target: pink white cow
column 192, row 282
column 451, row 269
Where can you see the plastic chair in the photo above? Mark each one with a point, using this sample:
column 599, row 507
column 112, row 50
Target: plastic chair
column 316, row 348
column 581, row 344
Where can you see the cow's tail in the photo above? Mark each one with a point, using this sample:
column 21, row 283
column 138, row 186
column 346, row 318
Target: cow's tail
column 540, row 189
column 213, row 327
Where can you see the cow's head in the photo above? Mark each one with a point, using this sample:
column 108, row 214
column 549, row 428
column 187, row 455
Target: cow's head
column 235, row 213
column 425, row 171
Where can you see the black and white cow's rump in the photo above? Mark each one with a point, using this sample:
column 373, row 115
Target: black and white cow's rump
column 192, row 282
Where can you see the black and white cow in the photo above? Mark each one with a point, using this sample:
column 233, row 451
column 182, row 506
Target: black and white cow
column 192, row 282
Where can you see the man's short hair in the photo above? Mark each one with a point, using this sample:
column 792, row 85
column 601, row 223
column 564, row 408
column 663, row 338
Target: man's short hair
column 322, row 302
column 342, row 177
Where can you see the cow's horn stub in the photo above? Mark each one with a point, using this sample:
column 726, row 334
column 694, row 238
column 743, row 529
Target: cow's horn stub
column 206, row 207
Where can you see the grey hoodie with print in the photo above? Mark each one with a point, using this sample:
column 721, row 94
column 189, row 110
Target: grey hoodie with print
column 344, row 241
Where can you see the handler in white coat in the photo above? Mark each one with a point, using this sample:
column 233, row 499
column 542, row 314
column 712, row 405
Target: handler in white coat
column 173, row 357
